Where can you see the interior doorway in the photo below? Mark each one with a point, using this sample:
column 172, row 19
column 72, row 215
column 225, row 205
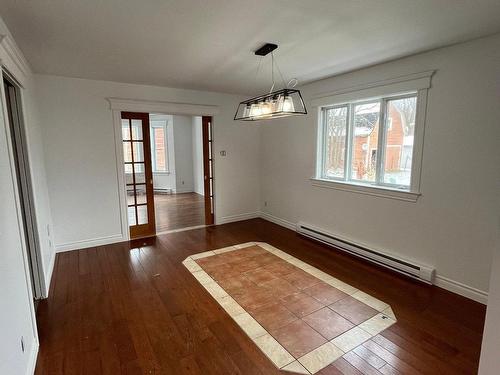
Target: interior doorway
column 171, row 176
column 24, row 186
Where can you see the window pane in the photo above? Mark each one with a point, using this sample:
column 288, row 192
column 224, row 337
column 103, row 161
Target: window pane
column 365, row 140
column 399, row 140
column 160, row 151
column 335, row 137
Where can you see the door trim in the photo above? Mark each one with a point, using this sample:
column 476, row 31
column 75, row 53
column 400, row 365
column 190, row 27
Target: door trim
column 167, row 108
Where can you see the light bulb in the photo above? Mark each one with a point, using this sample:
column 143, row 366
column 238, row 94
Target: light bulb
column 246, row 110
column 266, row 108
column 288, row 104
column 255, row 110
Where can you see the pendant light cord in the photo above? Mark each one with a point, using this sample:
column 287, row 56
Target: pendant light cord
column 285, row 85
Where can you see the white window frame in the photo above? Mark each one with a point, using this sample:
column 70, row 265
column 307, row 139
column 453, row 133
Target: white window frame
column 152, row 126
column 400, row 87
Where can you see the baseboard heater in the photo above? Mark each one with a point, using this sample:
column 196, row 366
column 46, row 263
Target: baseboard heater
column 417, row 271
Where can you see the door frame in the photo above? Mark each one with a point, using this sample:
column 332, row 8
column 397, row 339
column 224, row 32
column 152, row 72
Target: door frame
column 119, row 105
column 18, row 145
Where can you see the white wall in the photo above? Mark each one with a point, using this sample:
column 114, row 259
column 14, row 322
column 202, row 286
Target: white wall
column 183, row 148
column 80, row 156
column 198, row 176
column 451, row 226
column 17, row 313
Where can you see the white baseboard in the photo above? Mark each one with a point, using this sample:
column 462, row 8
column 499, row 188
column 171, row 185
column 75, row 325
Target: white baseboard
column 239, row 217
column 48, row 274
column 182, row 191
column 90, row 243
column 278, row 220
column 440, row 281
column 459, row 288
column 30, row 370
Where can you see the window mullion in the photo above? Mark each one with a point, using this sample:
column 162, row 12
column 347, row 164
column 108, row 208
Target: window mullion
column 349, row 145
column 323, row 137
column 381, row 142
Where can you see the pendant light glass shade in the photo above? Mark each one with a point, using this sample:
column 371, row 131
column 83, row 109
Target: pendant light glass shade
column 281, row 103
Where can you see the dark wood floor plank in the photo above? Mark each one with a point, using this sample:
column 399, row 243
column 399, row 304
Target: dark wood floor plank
column 360, row 364
column 132, row 308
column 369, row 357
column 390, row 358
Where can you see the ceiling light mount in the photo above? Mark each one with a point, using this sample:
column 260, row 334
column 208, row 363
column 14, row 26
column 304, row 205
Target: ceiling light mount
column 275, row 104
column 266, row 49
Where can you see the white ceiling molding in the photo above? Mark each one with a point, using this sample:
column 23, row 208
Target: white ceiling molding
column 12, row 59
column 171, row 108
column 396, row 85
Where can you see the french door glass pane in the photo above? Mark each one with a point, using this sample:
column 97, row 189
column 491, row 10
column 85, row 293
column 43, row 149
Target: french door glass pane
column 138, row 151
column 365, row 141
column 136, row 130
column 125, row 130
column 131, row 216
column 127, row 152
column 335, row 141
column 139, row 173
column 142, row 215
column 130, row 195
column 400, row 129
column 140, row 191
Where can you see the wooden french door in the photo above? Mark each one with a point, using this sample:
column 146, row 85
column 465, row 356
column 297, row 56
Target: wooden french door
column 138, row 174
column 208, row 169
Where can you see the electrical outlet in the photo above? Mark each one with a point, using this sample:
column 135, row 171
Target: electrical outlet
column 183, row 182
column 265, row 203
column 22, row 343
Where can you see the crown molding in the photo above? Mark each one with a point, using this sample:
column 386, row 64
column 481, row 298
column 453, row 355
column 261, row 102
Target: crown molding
column 13, row 59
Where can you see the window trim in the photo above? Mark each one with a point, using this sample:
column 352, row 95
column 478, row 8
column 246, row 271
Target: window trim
column 414, row 85
column 153, row 146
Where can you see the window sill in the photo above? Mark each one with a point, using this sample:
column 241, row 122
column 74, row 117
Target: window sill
column 163, row 173
column 368, row 190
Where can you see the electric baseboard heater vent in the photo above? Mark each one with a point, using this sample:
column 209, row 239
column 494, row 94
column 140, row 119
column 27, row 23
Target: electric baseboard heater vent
column 417, row 271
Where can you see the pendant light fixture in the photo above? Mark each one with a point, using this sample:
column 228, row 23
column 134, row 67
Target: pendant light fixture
column 280, row 103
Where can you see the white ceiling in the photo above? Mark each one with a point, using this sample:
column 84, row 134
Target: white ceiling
column 208, row 44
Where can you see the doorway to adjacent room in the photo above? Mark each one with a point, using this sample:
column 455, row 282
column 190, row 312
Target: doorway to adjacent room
column 168, row 172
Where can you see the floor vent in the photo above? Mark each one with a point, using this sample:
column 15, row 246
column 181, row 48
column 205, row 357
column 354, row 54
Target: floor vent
column 420, row 272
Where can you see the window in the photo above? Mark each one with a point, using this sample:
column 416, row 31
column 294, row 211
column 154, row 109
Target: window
column 159, row 146
column 369, row 143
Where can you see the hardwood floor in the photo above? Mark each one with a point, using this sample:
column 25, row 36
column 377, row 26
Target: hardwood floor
column 133, row 308
column 176, row 211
